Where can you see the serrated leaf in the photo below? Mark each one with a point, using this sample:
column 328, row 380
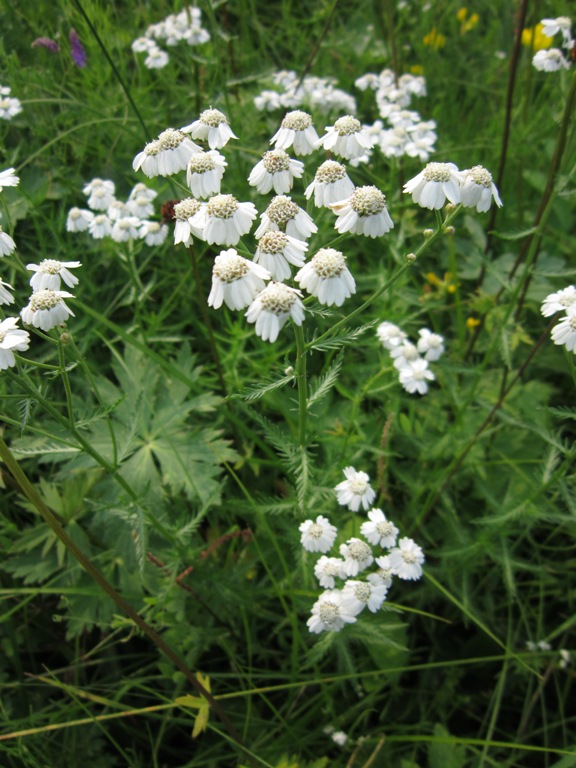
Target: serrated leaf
column 320, row 387
column 257, row 391
column 347, row 336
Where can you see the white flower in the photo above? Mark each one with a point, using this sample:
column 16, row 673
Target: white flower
column 9, row 107
column 331, row 184
column 327, row 277
column 153, row 233
column 565, row 332
column 141, row 191
column 47, row 309
column 404, row 354
column 327, row 569
column 126, row 228
column 101, row 198
column 328, row 613
column 276, row 170
column 357, row 556
column 78, row 220
column 364, row 213
column 212, row 125
column 390, row 335
column 143, row 45
column 406, row 560
column 100, row 226
column 339, row 737
column 49, row 273
column 276, row 251
column 5, row 296
column 414, row 376
column 185, row 213
column 562, row 24
column 296, row 130
column 379, row 530
column 227, row 219
column 355, row 490
column 357, row 595
column 369, row 80
column 436, row 183
column 346, row 138
column 550, row 61
column 166, row 155
column 118, row 210
column 7, row 245
column 384, row 573
column 283, row 213
column 8, row 179
column 204, row 173
column 318, row 536
column 235, row 281
column 559, row 301
column 271, row 309
column 140, row 206
column 267, row 100
column 156, row 58
column 106, row 184
column 431, row 345
column 12, row 339
column 478, row 190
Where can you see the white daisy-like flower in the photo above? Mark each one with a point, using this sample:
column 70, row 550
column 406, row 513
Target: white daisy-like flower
column 8, row 179
column 212, row 125
column 235, row 281
column 357, row 595
column 227, row 219
column 185, row 213
column 106, row 184
column 434, row 185
column 7, row 244
column 363, row 213
column 267, row 101
column 156, row 58
column 5, row 295
column 404, row 354
column 271, row 309
column 327, row 277
column 369, row 80
column 318, row 535
column 331, row 184
column 166, row 155
column 414, row 376
column 406, row 560
column 357, row 556
column 117, row 210
column 277, row 250
column 327, row 569
column 431, row 345
column 296, row 130
column 277, row 170
column 384, row 573
column 478, row 190
column 559, row 301
column 101, row 198
column 140, row 206
column 50, row 272
column 126, row 228
column 286, row 215
column 328, row 615
column 100, row 226
column 339, row 737
column 12, row 339
column 78, row 220
column 346, row 138
column 390, row 335
column 565, row 332
column 550, row 60
column 143, row 45
column 355, row 490
column 562, row 24
column 9, row 107
column 378, row 530
column 153, row 233
column 204, row 173
column 46, row 309
column 141, row 191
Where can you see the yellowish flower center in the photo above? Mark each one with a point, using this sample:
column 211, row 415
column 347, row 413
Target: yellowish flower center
column 273, row 242
column 297, row 121
column 330, row 171
column 347, row 125
column 277, row 298
column 45, row 299
column 329, row 263
column 186, row 208
column 276, row 160
column 230, row 267
column 222, row 206
column 282, row 209
column 368, row 201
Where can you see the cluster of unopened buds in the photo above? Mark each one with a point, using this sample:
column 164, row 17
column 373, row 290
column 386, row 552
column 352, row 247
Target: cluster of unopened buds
column 411, row 360
column 379, row 545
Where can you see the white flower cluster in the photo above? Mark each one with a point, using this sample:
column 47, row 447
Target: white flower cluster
column 563, row 301
column 122, row 221
column 411, row 360
column 439, row 182
column 405, row 133
column 184, row 26
column 314, row 93
column 401, row 558
column 9, row 106
column 284, row 228
column 552, row 59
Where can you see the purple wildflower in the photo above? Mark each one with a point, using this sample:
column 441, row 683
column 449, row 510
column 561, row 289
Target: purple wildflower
column 77, row 49
column 46, row 42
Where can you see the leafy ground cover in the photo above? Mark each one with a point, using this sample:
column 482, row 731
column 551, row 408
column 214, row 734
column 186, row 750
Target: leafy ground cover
column 287, row 510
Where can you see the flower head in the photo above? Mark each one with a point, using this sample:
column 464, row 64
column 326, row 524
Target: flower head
column 390, row 335
column 357, row 595
column 328, row 614
column 378, row 530
column 212, row 125
column 12, row 339
column 77, row 50
column 296, row 130
column 406, row 560
column 46, row 309
column 363, row 213
column 414, row 376
column 346, row 138
column 559, row 301
column 277, row 250
column 331, row 184
column 271, row 309
column 189, row 220
column 478, row 190
column 235, row 281
column 287, row 216
column 166, row 155
column 276, row 170
column 327, row 277
column 565, row 332
column 227, row 219
column 404, row 354
column 8, row 179
column 357, row 556
column 7, row 244
column 431, row 345
column 327, row 569
column 355, row 490
column 49, row 272
column 436, row 183
column 100, row 226
column 550, row 61
column 153, row 232
column 319, row 535
column 5, row 295
column 204, row 173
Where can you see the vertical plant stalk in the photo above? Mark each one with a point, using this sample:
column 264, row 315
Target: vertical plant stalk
column 302, row 384
column 316, row 48
column 30, row 492
column 385, row 18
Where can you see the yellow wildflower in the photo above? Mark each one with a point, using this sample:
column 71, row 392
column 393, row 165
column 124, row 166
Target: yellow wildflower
column 472, row 322
column 434, row 39
column 417, row 69
column 534, row 38
column 466, row 22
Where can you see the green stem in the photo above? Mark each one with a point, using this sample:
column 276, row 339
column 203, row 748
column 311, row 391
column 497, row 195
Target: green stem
column 302, row 383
